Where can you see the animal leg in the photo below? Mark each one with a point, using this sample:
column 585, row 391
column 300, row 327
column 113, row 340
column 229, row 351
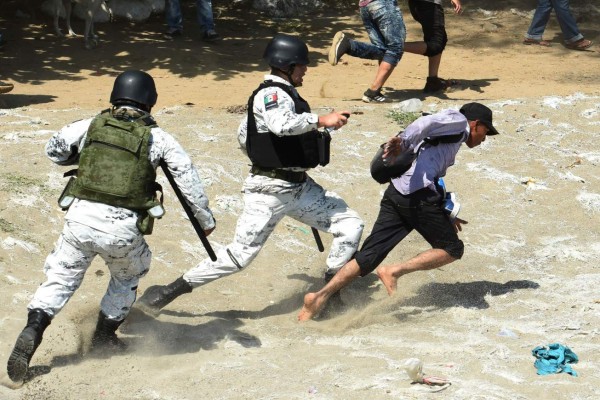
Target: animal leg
column 68, row 9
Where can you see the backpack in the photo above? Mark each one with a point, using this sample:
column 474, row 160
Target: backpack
column 383, row 172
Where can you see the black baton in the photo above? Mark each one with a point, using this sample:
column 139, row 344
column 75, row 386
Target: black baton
column 314, row 230
column 189, row 212
column 318, row 239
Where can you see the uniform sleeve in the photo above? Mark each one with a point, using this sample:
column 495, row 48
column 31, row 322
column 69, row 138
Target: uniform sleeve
column 275, row 112
column 64, row 146
column 243, row 135
column 186, row 177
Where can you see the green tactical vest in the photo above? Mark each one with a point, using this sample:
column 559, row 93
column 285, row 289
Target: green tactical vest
column 114, row 167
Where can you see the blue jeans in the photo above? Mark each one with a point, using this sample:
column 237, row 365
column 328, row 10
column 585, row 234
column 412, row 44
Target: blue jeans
column 385, row 26
column 204, row 15
column 567, row 22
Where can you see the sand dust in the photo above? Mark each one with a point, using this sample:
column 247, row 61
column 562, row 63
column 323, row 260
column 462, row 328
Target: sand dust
column 529, row 276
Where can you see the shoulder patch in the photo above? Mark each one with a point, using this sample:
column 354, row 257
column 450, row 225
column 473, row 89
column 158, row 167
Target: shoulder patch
column 271, row 101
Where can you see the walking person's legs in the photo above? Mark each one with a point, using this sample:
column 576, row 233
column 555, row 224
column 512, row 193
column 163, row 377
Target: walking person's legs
column 567, row 22
column 540, row 19
column 174, row 19
column 204, row 14
column 431, row 18
column 574, row 40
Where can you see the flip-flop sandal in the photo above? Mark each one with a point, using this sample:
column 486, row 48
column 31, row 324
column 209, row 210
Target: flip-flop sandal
column 581, row 44
column 543, row 43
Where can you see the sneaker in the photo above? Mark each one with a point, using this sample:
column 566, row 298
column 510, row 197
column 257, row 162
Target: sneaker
column 172, row 34
column 6, row 87
column 373, row 96
column 339, row 47
column 210, row 36
column 435, row 84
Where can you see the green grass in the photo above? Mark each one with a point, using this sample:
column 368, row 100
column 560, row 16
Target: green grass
column 403, row 118
column 16, row 183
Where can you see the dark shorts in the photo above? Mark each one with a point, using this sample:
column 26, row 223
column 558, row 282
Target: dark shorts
column 398, row 216
column 431, row 18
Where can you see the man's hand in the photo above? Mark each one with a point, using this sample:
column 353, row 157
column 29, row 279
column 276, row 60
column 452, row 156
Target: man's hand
column 392, row 148
column 333, row 120
column 457, row 224
column 209, row 231
column 457, row 6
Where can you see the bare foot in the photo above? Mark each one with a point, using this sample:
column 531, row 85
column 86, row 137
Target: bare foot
column 312, row 305
column 389, row 281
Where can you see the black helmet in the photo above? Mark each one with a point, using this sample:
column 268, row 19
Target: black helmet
column 285, row 50
column 134, row 86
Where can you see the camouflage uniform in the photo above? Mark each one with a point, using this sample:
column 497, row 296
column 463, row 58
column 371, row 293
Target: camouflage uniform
column 93, row 228
column 267, row 200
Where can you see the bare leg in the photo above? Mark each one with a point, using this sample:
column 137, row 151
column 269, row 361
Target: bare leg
column 430, row 259
column 415, row 47
column 68, row 11
column 314, row 302
column 56, row 17
column 90, row 41
column 434, row 64
column 383, row 73
column 420, row 48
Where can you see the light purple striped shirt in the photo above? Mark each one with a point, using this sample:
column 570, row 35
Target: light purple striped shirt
column 433, row 161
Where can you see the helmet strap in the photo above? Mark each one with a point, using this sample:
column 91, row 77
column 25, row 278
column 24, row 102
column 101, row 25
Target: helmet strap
column 287, row 73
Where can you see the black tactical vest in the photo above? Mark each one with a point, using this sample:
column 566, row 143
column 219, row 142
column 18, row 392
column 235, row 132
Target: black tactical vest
column 268, row 150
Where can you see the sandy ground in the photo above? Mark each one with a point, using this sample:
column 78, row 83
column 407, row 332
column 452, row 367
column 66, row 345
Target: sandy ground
column 529, row 276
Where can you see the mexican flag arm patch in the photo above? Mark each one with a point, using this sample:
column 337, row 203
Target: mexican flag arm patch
column 270, row 101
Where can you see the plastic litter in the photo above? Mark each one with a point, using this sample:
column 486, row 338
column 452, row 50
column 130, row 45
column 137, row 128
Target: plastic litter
column 414, row 370
column 505, row 332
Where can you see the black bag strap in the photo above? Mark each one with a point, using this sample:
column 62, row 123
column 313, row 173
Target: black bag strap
column 72, row 172
column 434, row 141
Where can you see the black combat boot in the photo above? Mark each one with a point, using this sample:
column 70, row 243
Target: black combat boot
column 27, row 343
column 158, row 296
column 105, row 337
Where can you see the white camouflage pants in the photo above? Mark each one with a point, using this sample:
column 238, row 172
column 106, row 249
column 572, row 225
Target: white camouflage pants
column 266, row 202
column 127, row 260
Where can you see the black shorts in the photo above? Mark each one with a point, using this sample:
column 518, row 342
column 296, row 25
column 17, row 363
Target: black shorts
column 398, row 216
column 433, row 24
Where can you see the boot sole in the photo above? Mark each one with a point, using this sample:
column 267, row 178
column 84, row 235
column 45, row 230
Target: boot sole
column 18, row 362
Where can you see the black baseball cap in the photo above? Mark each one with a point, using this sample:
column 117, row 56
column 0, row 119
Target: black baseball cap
column 479, row 112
